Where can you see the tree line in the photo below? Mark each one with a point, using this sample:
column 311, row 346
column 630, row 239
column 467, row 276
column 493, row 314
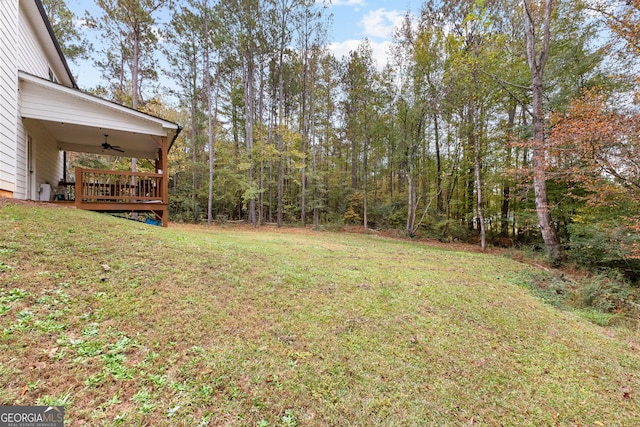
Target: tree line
column 493, row 121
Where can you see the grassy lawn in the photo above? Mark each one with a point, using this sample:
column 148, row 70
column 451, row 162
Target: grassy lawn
column 129, row 324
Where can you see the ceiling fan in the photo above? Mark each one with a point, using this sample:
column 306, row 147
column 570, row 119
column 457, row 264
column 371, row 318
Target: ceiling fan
column 107, row 146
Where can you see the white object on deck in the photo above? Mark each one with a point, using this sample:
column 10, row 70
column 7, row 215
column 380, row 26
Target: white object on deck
column 45, row 192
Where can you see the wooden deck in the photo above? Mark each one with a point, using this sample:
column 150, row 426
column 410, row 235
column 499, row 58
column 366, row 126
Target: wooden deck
column 120, row 192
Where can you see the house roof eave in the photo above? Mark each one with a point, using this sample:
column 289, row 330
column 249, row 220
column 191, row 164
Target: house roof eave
column 56, row 44
column 80, row 122
column 77, row 93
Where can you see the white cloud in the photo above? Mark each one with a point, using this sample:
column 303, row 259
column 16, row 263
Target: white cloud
column 341, row 49
column 380, row 23
column 380, row 50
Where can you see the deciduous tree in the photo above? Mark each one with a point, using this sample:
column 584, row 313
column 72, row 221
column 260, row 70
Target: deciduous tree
column 538, row 35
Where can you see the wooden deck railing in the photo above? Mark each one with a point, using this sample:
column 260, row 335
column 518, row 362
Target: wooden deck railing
column 99, row 186
column 116, row 191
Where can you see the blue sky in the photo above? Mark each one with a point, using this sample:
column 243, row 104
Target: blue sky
column 353, row 21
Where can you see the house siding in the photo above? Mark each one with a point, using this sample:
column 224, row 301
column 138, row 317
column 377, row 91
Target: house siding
column 8, row 95
column 22, row 168
column 47, row 104
column 48, row 159
column 31, row 57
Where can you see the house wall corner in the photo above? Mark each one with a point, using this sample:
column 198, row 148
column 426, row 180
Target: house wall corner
column 8, row 97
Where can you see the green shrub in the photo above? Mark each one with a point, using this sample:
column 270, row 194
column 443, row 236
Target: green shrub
column 452, row 230
column 601, row 247
column 354, row 209
column 606, row 294
column 351, row 217
column 601, row 298
column 388, row 215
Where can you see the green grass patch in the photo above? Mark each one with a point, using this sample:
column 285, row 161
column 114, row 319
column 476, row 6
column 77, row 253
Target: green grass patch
column 128, row 324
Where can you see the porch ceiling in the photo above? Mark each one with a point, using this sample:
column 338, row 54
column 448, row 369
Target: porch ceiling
column 79, row 122
column 89, row 139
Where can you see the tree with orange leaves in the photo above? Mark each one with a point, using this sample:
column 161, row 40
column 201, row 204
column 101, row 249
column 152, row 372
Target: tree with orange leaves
column 598, row 147
column 595, row 150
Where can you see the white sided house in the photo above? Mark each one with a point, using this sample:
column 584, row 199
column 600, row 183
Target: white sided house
column 43, row 115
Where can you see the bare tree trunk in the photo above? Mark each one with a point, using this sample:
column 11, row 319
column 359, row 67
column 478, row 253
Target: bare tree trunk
column 305, row 132
column 316, row 213
column 354, row 163
column 537, row 61
column 194, row 155
column 271, row 120
column 506, row 190
column 193, row 135
column 134, row 99
column 411, row 204
column 249, row 116
column 475, row 132
column 365, row 181
column 261, row 172
column 280, row 185
column 439, row 203
column 211, row 123
column 207, row 88
column 135, row 68
column 312, row 147
column 280, row 178
column 478, row 172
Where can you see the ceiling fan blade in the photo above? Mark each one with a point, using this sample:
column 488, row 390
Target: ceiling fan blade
column 107, row 146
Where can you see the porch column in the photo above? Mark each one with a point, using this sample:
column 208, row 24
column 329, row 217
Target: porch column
column 78, row 185
column 164, row 166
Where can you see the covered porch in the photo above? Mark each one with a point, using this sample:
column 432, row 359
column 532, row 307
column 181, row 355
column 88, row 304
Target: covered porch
column 77, row 122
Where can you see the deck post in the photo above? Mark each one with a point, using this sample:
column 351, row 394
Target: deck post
column 164, row 165
column 78, row 185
